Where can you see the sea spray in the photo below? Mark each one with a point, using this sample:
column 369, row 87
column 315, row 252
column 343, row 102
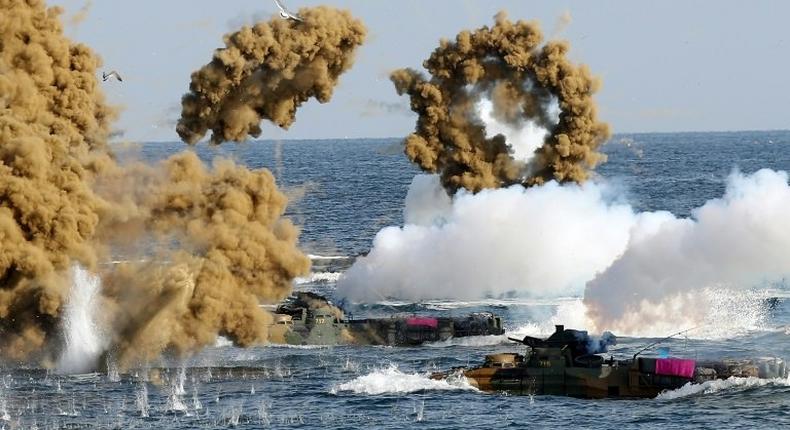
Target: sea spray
column 718, row 385
column 176, row 391
column 83, row 340
column 738, row 242
column 390, row 379
column 141, row 400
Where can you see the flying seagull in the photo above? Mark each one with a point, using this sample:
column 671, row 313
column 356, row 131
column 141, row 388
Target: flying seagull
column 285, row 14
column 105, row 76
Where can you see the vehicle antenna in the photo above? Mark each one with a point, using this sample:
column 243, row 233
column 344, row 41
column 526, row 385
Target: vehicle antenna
column 665, row 339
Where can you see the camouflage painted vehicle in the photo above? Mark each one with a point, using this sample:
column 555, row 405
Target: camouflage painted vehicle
column 568, row 364
column 310, row 319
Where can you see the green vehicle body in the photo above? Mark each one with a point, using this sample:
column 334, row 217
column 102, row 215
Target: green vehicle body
column 562, row 365
column 310, row 319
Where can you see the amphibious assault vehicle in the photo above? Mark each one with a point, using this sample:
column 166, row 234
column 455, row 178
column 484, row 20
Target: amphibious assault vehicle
column 310, row 319
column 568, row 363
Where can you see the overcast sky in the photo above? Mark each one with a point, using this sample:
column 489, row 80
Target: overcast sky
column 666, row 66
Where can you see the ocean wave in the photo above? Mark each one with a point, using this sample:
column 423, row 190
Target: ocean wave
column 715, row 386
column 390, row 380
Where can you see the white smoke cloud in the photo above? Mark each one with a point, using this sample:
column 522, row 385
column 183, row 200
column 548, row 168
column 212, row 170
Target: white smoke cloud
column 524, row 140
column 647, row 273
column 544, row 241
column 735, row 243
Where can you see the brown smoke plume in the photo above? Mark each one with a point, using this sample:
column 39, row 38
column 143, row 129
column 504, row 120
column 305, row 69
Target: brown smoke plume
column 268, row 71
column 53, row 125
column 234, row 252
column 212, row 239
column 506, row 64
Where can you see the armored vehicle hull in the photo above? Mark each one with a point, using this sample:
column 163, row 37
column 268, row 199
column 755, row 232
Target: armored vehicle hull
column 310, row 319
column 564, row 365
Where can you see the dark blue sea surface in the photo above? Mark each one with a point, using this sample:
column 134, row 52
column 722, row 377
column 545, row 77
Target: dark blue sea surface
column 343, row 192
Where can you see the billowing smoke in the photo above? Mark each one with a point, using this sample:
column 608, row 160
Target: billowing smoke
column 596, row 344
column 647, row 273
column 543, row 241
column 672, row 266
column 53, row 127
column 507, row 65
column 266, row 72
column 212, row 240
column 234, row 251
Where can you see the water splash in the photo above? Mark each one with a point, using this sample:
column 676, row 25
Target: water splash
column 175, row 399
column 4, row 415
column 391, row 380
column 112, row 371
column 196, row 404
column 141, row 400
column 419, row 410
column 719, row 313
column 263, row 413
column 318, row 277
column 84, row 343
column 351, row 366
column 715, row 386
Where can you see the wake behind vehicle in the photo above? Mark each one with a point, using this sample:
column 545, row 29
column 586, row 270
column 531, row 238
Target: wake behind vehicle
column 568, row 363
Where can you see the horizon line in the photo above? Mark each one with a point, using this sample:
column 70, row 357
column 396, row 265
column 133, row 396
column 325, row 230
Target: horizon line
column 629, row 133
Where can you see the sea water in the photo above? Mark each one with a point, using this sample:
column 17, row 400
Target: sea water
column 343, row 192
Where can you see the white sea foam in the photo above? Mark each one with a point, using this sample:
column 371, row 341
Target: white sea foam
column 316, row 277
column 222, row 342
column 287, row 346
column 391, row 380
column 327, row 257
column 469, row 341
column 715, row 386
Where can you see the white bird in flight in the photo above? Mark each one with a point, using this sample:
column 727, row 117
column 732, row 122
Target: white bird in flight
column 285, row 14
column 105, row 76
